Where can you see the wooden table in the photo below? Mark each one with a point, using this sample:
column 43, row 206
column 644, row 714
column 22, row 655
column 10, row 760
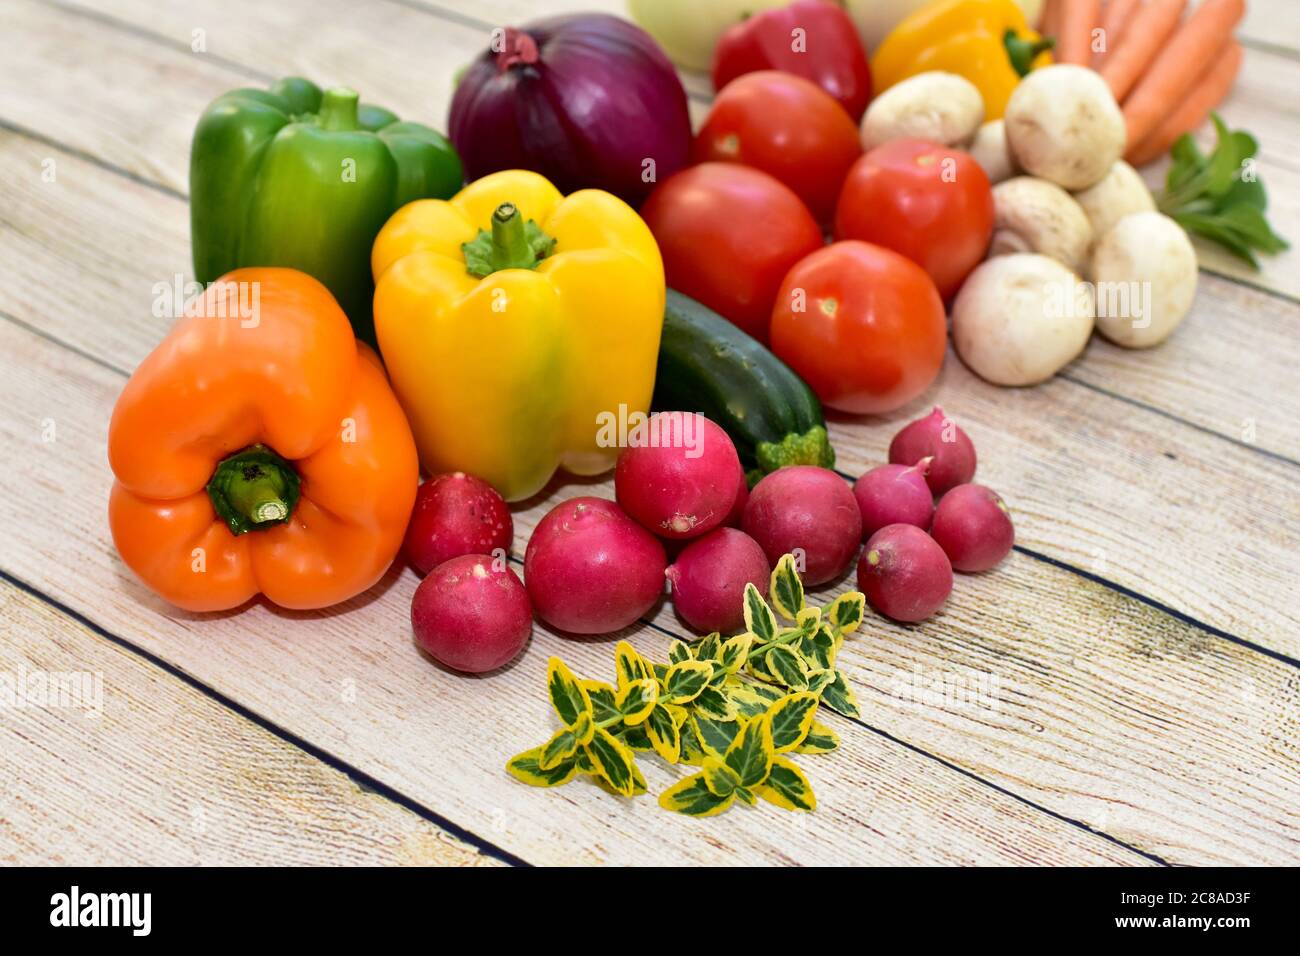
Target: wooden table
column 1137, row 655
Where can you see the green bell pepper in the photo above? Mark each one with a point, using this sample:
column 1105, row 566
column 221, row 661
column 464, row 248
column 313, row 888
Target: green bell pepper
column 299, row 178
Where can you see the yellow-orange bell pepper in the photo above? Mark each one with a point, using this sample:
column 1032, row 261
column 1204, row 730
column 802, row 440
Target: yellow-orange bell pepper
column 259, row 449
column 512, row 321
column 986, row 41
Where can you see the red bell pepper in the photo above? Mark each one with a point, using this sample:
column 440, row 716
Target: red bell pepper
column 826, row 51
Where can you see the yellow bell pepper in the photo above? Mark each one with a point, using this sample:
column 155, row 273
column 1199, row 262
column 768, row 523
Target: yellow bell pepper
column 513, row 322
column 986, row 41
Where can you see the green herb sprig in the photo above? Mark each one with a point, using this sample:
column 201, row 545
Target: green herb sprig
column 733, row 707
column 1219, row 196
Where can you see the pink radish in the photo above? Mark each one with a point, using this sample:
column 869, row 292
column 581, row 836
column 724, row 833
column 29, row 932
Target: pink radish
column 472, row 614
column 709, row 579
column 936, row 436
column 590, row 569
column 456, row 514
column 737, row 512
column 807, row 511
column 904, row 574
column 894, row 494
column 973, row 527
column 679, row 475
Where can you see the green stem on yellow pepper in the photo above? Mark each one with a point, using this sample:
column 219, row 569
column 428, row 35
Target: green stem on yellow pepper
column 1022, row 53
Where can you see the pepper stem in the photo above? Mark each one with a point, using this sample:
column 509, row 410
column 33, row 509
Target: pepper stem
column 254, row 489
column 512, row 243
column 1022, row 53
column 338, row 109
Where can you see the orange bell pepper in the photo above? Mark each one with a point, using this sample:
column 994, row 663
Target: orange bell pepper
column 259, row 449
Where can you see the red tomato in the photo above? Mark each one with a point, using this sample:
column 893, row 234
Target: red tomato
column 932, row 204
column 826, row 50
column 728, row 235
column 864, row 327
column 787, row 126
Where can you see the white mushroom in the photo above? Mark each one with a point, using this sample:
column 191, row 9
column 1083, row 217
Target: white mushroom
column 1063, row 124
column 1020, row 319
column 989, row 149
column 1144, row 273
column 1033, row 215
column 1119, row 193
column 939, row 107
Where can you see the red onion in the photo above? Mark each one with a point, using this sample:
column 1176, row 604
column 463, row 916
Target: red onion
column 585, row 100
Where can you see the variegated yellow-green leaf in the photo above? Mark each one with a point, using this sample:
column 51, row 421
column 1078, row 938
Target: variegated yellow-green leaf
column 715, row 736
column 786, row 590
column 558, row 749
column 759, row 619
column 690, row 751
column 809, row 619
column 678, row 712
column 526, row 767
column 638, row 784
column 583, row 728
column 664, row 735
column 629, row 665
column 791, row 718
column 787, row 787
column 693, row 797
column 818, row 647
column 757, row 666
column 601, row 696
column 613, row 760
column 636, row 699
column 839, row 696
column 820, row 740
column 718, row 777
column 567, row 695
column 818, row 680
column 734, row 652
column 635, row 737
column 679, row 651
column 785, row 664
column 751, row 699
column 751, row 753
column 706, row 648
column 711, row 702
column 845, row 612
column 747, row 795
column 685, row 680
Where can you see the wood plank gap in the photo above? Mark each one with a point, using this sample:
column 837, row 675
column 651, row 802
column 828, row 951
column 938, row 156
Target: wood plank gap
column 357, row 776
column 142, row 33
column 1136, row 595
column 1170, row 416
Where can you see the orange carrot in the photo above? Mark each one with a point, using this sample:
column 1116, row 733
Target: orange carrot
column 1113, row 22
column 1050, row 19
column 1148, row 29
column 1074, row 36
column 1175, row 71
column 1211, row 87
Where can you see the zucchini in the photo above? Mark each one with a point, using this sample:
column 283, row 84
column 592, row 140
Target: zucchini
column 710, row 366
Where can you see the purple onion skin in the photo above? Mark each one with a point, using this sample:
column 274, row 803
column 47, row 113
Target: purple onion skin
column 585, row 103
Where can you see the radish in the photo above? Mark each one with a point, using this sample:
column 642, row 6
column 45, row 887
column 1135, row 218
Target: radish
column 938, row 437
column 973, row 527
column 679, row 475
column 590, row 569
column 904, row 574
column 809, row 512
column 894, row 494
column 472, row 614
column 709, row 579
column 456, row 514
column 737, row 512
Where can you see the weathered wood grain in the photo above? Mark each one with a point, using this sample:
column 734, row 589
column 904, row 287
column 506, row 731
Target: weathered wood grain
column 351, row 681
column 1168, row 378
column 142, row 769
